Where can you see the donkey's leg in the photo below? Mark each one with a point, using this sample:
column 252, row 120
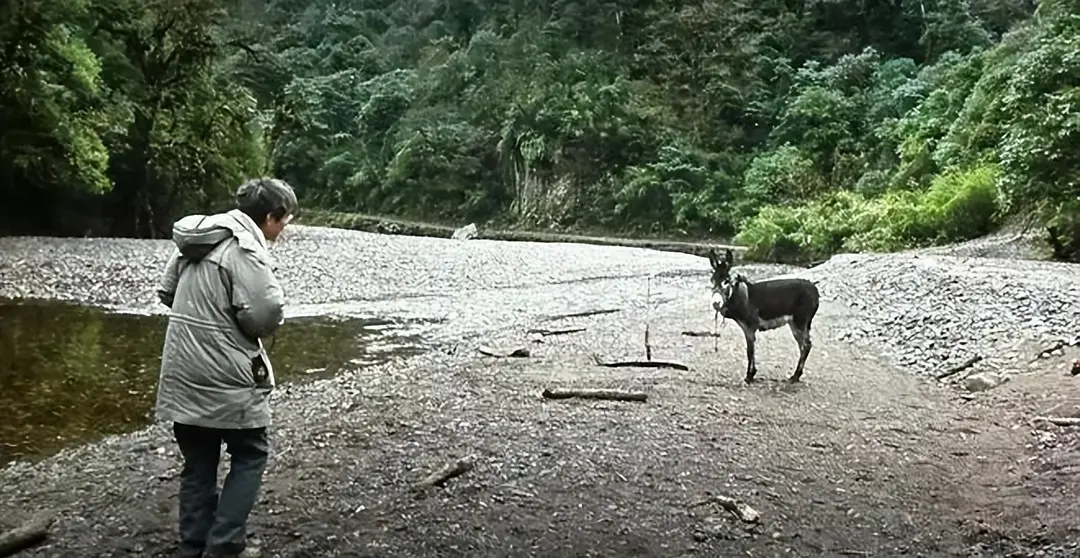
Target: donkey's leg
column 751, row 335
column 801, row 332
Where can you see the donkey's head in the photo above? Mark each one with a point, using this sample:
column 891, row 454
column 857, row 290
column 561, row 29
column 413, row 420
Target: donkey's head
column 721, row 275
column 722, row 280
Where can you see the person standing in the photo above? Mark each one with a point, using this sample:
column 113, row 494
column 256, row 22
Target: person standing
column 216, row 377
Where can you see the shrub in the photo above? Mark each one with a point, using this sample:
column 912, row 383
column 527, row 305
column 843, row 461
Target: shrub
column 958, row 205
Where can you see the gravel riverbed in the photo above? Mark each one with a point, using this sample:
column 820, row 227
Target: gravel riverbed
column 903, row 464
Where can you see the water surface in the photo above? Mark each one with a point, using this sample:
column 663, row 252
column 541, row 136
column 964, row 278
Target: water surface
column 71, row 374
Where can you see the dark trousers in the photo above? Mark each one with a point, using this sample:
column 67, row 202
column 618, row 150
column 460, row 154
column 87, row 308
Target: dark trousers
column 209, row 522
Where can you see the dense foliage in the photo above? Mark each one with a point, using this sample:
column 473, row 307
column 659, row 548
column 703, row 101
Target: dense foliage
column 806, row 126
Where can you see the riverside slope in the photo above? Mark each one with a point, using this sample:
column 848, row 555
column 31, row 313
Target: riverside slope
column 867, row 457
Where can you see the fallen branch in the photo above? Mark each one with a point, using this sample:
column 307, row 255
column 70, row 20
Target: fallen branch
column 642, row 364
column 519, row 352
column 549, row 332
column 700, row 334
column 26, row 535
column 738, row 508
column 449, row 471
column 1059, row 421
column 958, row 369
column 603, row 394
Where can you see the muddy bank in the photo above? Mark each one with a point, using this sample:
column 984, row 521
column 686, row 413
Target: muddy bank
column 864, row 458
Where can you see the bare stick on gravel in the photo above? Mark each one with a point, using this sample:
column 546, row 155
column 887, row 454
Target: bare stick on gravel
column 1059, row 421
column 641, row 364
column 957, row 369
column 26, row 535
column 1058, row 345
column 648, row 347
column 648, row 295
column 737, row 508
column 603, row 394
column 549, row 332
column 581, row 314
column 449, row 471
column 516, row 352
column 700, row 334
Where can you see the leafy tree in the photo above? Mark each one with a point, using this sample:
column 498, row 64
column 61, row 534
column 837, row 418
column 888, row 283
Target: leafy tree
column 807, row 127
column 53, row 113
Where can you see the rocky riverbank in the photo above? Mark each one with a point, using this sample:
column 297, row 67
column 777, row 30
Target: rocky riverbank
column 900, row 464
column 383, row 225
column 932, row 313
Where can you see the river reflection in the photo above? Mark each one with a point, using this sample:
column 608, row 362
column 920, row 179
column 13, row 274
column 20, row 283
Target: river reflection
column 70, row 374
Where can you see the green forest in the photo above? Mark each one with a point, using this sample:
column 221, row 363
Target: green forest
column 799, row 127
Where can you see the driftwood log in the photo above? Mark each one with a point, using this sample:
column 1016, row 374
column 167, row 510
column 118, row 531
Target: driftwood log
column 448, row 471
column 26, row 535
column 602, row 394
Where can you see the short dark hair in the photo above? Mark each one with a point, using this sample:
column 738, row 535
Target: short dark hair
column 261, row 197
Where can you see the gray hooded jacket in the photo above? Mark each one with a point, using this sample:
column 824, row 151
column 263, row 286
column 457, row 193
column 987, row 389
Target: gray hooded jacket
column 224, row 299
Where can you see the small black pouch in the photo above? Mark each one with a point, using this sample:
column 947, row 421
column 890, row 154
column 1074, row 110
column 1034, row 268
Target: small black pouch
column 259, row 370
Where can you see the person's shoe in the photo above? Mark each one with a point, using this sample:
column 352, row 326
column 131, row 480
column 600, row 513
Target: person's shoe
column 249, row 552
column 188, row 552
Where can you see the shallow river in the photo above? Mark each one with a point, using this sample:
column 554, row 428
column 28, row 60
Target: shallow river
column 70, row 374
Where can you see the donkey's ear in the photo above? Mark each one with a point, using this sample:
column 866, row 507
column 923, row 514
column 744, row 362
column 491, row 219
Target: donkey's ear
column 729, row 257
column 714, row 259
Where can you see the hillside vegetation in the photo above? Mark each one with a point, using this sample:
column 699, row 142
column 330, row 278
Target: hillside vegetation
column 805, row 126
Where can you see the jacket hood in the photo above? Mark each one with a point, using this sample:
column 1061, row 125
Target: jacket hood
column 197, row 235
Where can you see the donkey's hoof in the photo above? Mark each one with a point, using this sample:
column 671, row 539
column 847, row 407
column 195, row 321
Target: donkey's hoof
column 749, row 379
column 794, row 380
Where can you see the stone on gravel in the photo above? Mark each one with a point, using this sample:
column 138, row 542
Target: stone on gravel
column 468, row 232
column 982, row 381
